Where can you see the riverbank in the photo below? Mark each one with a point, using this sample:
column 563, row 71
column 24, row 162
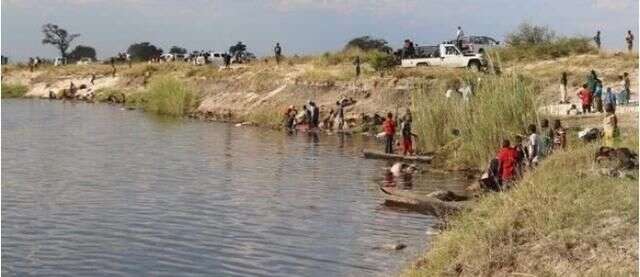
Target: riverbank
column 498, row 234
column 563, row 219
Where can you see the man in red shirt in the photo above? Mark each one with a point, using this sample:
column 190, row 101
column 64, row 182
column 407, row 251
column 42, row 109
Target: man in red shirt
column 585, row 97
column 389, row 128
column 507, row 158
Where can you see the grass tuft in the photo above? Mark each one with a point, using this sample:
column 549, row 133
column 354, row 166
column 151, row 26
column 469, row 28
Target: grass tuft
column 13, row 90
column 168, row 96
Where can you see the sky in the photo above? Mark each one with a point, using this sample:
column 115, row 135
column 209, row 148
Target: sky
column 301, row 26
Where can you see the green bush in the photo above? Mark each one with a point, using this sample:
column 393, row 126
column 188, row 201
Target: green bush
column 109, row 95
column 169, row 96
column 13, row 90
column 501, row 107
column 557, row 48
column 380, row 61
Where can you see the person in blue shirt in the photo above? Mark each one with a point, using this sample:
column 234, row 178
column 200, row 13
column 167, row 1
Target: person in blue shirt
column 597, row 96
column 609, row 97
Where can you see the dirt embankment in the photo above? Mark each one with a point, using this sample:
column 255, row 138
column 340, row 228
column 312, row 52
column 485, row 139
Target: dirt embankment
column 236, row 94
column 260, row 92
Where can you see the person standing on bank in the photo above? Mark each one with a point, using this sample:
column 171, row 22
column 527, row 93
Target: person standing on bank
column 597, row 40
column 278, row 52
column 629, row 38
column 563, row 88
column 459, row 36
column 389, row 127
column 357, row 64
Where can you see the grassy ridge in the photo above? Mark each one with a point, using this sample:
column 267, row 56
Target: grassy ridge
column 13, row 90
column 561, row 47
column 501, row 107
column 561, row 220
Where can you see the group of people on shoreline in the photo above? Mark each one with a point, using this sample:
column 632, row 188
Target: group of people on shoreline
column 308, row 119
column 593, row 97
column 514, row 158
column 389, row 133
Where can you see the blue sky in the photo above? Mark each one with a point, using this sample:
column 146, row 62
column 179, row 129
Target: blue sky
column 302, row 26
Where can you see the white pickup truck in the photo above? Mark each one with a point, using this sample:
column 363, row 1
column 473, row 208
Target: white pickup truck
column 446, row 55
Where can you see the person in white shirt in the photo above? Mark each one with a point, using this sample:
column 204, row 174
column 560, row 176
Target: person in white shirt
column 534, row 146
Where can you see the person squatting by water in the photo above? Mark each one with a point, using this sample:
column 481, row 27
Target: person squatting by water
column 389, row 128
column 507, row 164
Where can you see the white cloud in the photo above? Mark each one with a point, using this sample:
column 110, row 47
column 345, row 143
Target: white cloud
column 613, row 5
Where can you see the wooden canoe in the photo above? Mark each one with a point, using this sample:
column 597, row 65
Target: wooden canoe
column 422, row 204
column 370, row 154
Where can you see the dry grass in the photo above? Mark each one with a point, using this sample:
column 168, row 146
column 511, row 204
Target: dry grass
column 561, row 220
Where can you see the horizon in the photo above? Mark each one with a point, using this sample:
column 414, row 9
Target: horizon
column 303, row 27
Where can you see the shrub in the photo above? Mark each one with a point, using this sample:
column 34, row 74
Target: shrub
column 501, row 107
column 528, row 34
column 557, row 48
column 380, row 61
column 13, row 90
column 168, row 96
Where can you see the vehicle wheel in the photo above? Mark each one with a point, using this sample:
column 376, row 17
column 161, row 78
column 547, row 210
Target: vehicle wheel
column 474, row 66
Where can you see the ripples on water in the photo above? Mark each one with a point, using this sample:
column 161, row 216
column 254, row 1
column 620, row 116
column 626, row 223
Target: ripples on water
column 96, row 190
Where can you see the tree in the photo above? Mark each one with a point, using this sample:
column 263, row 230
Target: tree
column 528, row 34
column 238, row 49
column 143, row 51
column 367, row 43
column 82, row 51
column 177, row 50
column 58, row 37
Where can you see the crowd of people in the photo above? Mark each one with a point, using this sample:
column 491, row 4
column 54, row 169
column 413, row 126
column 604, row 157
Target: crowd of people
column 593, row 95
column 308, row 119
column 520, row 154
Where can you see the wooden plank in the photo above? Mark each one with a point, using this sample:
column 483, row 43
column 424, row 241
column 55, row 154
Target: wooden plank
column 369, row 154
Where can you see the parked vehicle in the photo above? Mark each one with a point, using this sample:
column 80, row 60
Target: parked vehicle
column 476, row 44
column 84, row 61
column 446, row 55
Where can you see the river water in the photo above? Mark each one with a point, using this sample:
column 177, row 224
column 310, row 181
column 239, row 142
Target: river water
column 92, row 189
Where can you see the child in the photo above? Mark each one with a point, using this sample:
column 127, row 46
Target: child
column 389, row 127
column 610, row 126
column 406, row 136
column 585, row 98
column 559, row 135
